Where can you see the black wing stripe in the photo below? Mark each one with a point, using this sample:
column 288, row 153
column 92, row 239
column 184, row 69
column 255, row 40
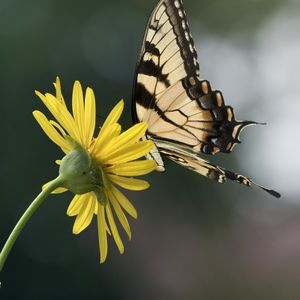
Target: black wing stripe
column 147, row 98
column 149, row 68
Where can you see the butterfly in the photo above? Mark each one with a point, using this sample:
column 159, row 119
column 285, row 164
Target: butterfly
column 186, row 117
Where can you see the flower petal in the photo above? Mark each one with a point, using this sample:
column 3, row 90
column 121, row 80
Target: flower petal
column 58, row 127
column 61, row 114
column 96, row 213
column 130, row 136
column 128, row 153
column 59, row 94
column 133, row 168
column 51, row 132
column 85, row 214
column 114, row 115
column 78, row 110
column 75, row 205
column 109, row 130
column 121, row 216
column 104, row 137
column 129, row 183
column 124, row 202
column 102, row 233
column 90, row 115
column 113, row 228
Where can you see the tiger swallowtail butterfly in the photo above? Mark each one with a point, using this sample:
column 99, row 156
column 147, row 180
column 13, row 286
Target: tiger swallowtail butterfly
column 185, row 116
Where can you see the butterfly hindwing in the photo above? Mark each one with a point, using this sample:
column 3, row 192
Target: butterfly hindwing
column 189, row 160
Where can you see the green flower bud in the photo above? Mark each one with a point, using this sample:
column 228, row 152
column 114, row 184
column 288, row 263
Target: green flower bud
column 79, row 172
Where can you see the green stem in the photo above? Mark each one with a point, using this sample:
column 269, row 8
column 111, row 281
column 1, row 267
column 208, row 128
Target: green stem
column 26, row 216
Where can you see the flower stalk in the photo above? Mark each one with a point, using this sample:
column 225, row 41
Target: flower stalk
column 58, row 182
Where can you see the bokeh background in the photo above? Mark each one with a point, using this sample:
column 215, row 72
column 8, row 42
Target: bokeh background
column 194, row 239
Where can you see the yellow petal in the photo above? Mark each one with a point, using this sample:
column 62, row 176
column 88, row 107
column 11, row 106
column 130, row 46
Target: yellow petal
column 96, row 213
column 129, row 153
column 113, row 228
column 64, row 117
column 104, row 137
column 129, row 183
column 114, row 115
column 96, row 208
column 102, row 233
column 133, row 168
column 56, row 191
column 121, row 216
column 130, row 136
column 78, row 109
column 89, row 115
column 59, row 94
column 51, row 132
column 85, row 215
column 58, row 127
column 61, row 114
column 75, row 205
column 124, row 202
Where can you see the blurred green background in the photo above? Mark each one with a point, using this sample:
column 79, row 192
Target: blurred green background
column 194, row 239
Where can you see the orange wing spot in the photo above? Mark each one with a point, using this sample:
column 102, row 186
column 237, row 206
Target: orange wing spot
column 204, row 87
column 229, row 114
column 192, row 81
column 216, row 150
column 246, row 181
column 219, row 99
column 236, row 130
column 229, row 146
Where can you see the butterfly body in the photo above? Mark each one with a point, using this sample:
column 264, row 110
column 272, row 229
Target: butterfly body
column 185, row 117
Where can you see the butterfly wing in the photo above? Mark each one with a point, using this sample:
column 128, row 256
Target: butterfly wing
column 192, row 161
column 168, row 93
column 181, row 110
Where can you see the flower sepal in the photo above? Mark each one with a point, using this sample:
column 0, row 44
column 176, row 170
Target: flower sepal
column 100, row 195
column 78, row 171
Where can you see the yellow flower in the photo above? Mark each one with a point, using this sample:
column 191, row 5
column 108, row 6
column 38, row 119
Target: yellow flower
column 111, row 157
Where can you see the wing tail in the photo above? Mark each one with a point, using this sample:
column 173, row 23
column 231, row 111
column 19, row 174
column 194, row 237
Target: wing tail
column 247, row 181
column 197, row 164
